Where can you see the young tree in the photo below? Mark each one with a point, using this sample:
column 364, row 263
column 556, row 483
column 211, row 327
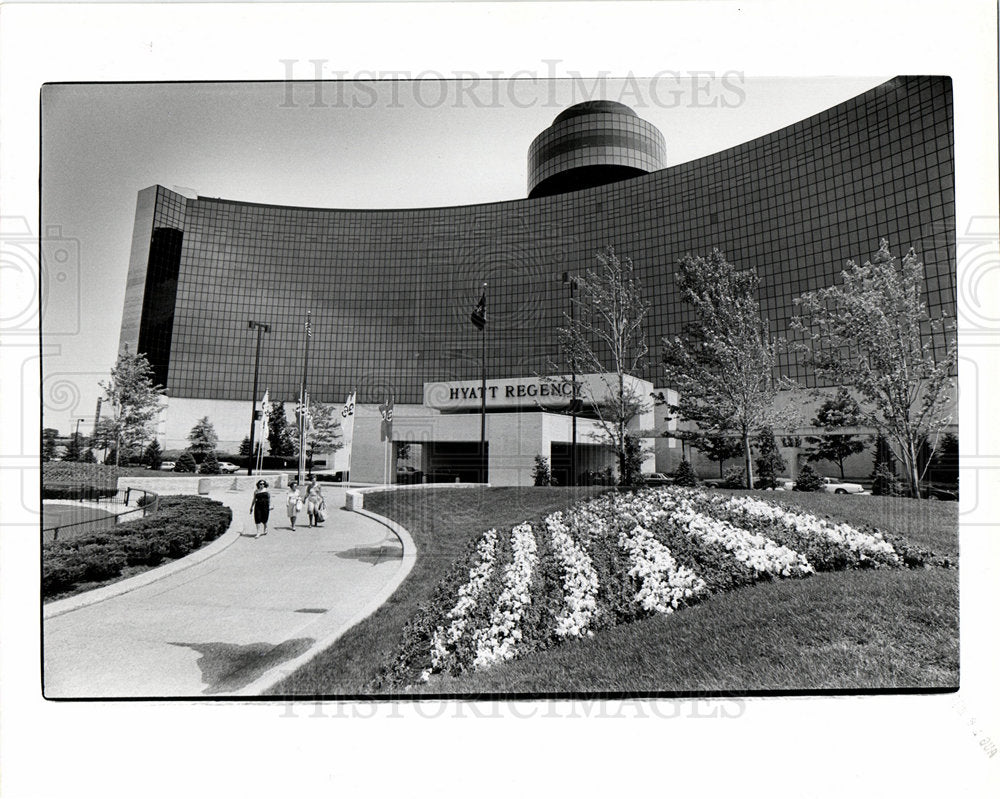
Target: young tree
column 74, row 447
column 770, row 464
column 280, row 436
column 211, row 463
column 49, row 436
column 873, row 332
column 324, row 433
column 604, row 336
column 153, row 456
column 185, row 463
column 203, row 439
column 717, row 447
column 835, row 413
column 723, row 364
column 541, row 473
column 244, row 447
column 134, row 401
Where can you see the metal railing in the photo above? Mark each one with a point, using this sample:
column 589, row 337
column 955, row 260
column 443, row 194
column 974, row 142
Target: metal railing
column 124, row 501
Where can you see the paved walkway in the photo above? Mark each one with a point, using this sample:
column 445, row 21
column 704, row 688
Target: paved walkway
column 232, row 620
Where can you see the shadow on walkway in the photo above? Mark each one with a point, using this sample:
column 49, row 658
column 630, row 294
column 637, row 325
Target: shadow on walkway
column 229, row 667
column 373, row 555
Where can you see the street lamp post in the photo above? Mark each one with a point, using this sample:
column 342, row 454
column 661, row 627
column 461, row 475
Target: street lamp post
column 261, row 328
column 76, row 439
column 572, row 366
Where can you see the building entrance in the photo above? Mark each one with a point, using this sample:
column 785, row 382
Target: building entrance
column 448, row 461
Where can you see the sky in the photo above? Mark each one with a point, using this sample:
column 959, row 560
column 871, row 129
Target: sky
column 378, row 144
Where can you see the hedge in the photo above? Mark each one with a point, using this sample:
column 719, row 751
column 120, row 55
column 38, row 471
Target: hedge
column 89, row 492
column 181, row 525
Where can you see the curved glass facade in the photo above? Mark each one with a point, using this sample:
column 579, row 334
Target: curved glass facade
column 391, row 290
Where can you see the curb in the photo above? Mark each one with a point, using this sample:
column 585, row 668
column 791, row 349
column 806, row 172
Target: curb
column 63, row 606
column 271, row 678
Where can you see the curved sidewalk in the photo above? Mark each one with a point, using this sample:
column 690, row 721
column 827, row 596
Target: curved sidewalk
column 233, row 622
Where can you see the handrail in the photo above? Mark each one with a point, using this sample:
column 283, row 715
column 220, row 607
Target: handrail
column 148, row 502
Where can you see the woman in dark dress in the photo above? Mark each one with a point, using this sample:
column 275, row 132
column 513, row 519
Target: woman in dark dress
column 260, row 507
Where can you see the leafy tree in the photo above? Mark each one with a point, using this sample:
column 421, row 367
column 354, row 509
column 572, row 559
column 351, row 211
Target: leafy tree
column 722, row 366
column 604, row 336
column 835, row 413
column 203, row 439
column 244, row 447
column 685, row 474
column 808, row 479
column 153, row 456
column 280, row 436
column 49, row 436
column 185, row 463
column 88, row 456
column 324, row 433
column 541, row 473
column 873, row 332
column 770, row 464
column 717, row 447
column 134, row 401
column 211, row 463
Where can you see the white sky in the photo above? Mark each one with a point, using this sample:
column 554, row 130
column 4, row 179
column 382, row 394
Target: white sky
column 387, row 144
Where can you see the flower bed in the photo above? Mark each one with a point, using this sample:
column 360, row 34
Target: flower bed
column 610, row 560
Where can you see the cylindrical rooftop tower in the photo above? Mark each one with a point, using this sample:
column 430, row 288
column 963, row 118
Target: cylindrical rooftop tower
column 591, row 144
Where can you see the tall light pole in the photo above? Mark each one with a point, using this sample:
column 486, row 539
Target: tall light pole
column 76, row 439
column 261, row 328
column 572, row 366
column 303, row 400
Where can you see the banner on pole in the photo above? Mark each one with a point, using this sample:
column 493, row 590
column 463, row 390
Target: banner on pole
column 386, row 410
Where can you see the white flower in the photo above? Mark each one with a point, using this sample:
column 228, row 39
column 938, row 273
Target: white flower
column 579, row 578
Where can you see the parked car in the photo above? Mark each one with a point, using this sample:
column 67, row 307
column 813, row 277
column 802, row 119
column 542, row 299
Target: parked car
column 658, row 479
column 228, row 468
column 831, row 485
column 408, row 475
column 167, row 466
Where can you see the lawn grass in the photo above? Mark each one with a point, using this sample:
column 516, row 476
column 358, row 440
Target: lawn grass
column 84, row 519
column 886, row 629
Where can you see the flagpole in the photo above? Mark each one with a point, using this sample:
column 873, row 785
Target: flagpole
column 261, row 329
column 302, row 401
column 482, row 409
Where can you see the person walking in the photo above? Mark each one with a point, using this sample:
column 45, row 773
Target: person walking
column 315, row 504
column 260, row 507
column 293, row 502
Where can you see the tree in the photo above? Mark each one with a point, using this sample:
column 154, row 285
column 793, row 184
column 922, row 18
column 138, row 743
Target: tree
column 634, row 456
column 873, row 332
column 604, row 336
column 185, row 463
column 541, row 473
column 74, row 447
column 835, row 413
column 770, row 464
column 244, row 447
column 808, row 479
column 884, row 479
column 280, row 437
column 153, row 456
column 325, row 433
column 723, row 363
column 203, row 439
column 211, row 463
column 49, row 436
column 685, row 475
column 134, row 400
column 718, row 447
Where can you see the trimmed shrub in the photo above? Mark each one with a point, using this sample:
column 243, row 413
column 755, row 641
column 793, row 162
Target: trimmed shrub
column 686, row 475
column 181, row 525
column 808, row 479
column 211, row 464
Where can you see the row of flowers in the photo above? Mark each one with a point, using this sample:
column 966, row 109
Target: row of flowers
column 613, row 559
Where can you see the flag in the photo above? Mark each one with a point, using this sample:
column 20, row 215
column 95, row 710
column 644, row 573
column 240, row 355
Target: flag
column 478, row 315
column 348, row 406
column 386, row 410
column 263, row 418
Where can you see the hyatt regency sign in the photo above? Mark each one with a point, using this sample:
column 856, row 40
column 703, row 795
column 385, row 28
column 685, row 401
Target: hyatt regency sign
column 520, row 392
